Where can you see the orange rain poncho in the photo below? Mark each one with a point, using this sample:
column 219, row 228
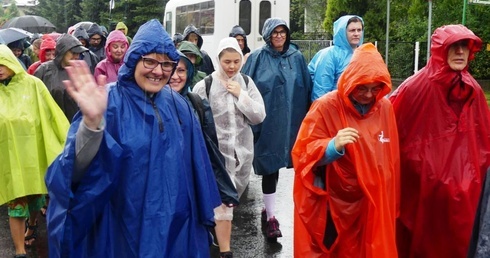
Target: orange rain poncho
column 444, row 156
column 362, row 186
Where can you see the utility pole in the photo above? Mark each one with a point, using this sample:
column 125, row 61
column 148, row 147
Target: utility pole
column 429, row 29
column 387, row 30
column 464, row 12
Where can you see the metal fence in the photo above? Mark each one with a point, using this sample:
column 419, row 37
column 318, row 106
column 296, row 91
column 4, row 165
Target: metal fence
column 404, row 58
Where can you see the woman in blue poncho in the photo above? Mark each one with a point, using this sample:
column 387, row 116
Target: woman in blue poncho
column 134, row 179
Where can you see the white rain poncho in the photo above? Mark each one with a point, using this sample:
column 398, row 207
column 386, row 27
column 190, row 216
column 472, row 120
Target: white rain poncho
column 233, row 117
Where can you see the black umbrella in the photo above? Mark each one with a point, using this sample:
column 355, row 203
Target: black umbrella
column 31, row 23
column 10, row 35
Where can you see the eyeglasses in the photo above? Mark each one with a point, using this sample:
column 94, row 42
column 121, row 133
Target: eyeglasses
column 181, row 72
column 150, row 63
column 363, row 90
column 95, row 39
column 281, row 33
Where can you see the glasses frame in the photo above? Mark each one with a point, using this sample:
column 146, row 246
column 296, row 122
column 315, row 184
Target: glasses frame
column 162, row 64
column 276, row 34
column 363, row 90
column 183, row 71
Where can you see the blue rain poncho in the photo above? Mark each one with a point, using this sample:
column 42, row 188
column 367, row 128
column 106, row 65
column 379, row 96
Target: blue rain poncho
column 328, row 64
column 285, row 84
column 150, row 190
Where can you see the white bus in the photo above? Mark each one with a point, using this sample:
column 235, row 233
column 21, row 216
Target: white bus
column 215, row 19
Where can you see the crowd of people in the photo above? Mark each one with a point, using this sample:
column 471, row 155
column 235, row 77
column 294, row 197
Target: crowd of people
column 143, row 146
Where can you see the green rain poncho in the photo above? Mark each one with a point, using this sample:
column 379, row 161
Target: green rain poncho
column 32, row 131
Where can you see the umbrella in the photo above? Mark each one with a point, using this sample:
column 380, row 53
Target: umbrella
column 31, row 23
column 13, row 34
column 84, row 24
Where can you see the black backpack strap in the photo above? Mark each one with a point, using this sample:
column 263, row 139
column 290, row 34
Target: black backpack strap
column 197, row 104
column 245, row 78
column 208, row 80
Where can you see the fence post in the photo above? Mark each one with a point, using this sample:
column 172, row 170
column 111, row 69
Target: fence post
column 417, row 52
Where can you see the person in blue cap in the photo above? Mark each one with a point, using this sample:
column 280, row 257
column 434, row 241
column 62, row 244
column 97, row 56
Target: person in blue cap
column 134, row 179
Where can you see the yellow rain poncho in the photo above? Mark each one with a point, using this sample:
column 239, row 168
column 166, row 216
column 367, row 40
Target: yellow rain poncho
column 32, row 131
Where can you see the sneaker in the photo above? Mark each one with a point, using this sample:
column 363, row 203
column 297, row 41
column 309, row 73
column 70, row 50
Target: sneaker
column 272, row 231
column 226, row 254
column 263, row 216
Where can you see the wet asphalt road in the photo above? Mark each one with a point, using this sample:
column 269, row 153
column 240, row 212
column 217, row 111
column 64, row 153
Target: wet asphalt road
column 247, row 238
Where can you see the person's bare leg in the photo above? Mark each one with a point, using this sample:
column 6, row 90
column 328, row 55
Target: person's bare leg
column 223, row 234
column 17, row 229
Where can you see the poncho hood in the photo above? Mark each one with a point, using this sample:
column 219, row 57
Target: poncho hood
column 340, row 32
column 225, row 44
column 47, row 44
column 188, row 47
column 366, row 66
column 269, row 26
column 192, row 29
column 150, row 38
column 239, row 31
column 441, row 40
column 114, row 36
column 190, row 73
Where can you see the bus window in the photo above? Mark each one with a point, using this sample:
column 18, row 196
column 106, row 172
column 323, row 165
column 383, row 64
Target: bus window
column 206, row 27
column 168, row 23
column 200, row 15
column 245, row 15
column 264, row 14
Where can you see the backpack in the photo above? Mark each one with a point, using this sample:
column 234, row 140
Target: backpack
column 208, row 80
column 197, row 104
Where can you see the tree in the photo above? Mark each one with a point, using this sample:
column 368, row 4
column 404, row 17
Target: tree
column 12, row 11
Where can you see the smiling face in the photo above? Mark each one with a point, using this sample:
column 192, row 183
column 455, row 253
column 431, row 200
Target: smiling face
column 179, row 78
column 230, row 61
column 17, row 51
column 49, row 54
column 457, row 55
column 278, row 37
column 152, row 80
column 117, row 50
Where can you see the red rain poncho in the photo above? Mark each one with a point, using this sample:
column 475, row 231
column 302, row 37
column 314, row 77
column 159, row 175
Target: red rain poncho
column 361, row 187
column 443, row 156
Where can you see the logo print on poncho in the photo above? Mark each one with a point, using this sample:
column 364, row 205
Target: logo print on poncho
column 382, row 139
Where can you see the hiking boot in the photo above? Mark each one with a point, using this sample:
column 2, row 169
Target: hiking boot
column 226, row 254
column 263, row 216
column 272, row 231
